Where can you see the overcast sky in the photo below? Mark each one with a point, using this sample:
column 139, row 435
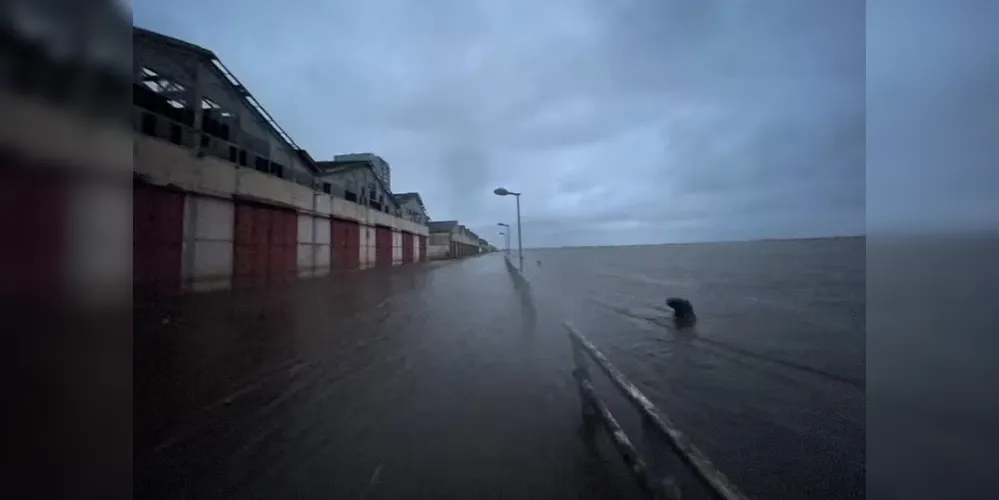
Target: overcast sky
column 621, row 121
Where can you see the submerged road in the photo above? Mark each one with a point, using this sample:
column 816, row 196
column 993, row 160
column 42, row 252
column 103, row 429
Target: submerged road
column 429, row 381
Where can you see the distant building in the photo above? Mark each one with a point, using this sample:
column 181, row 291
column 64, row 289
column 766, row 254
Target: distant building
column 449, row 239
column 357, row 181
column 439, row 244
column 412, row 207
column 378, row 164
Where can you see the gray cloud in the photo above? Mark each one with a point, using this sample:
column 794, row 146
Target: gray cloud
column 622, row 122
column 933, row 114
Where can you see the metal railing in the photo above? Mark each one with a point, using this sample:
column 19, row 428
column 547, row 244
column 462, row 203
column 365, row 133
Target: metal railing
column 657, row 430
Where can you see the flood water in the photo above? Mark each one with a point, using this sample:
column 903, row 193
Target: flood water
column 444, row 381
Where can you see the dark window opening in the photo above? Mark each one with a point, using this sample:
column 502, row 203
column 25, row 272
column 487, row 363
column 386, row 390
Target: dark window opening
column 242, row 157
column 327, row 188
column 261, row 164
column 149, row 124
column 233, row 154
column 277, row 169
column 176, row 134
column 205, row 141
column 350, row 196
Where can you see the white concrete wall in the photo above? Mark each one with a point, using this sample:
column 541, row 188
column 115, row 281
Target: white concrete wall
column 437, row 251
column 416, row 247
column 306, row 255
column 396, row 247
column 206, row 261
column 368, row 249
column 313, row 246
column 323, row 242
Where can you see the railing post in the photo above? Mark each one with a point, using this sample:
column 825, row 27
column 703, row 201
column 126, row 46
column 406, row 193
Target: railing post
column 582, row 376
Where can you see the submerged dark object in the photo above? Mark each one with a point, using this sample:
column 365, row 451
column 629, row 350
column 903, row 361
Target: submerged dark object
column 683, row 312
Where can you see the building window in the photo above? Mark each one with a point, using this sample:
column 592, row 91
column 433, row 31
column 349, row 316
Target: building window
column 261, row 164
column 277, row 169
column 350, row 196
column 327, row 188
column 149, row 124
column 176, row 134
column 242, row 157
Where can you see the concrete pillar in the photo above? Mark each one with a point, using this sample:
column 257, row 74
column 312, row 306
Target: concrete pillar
column 209, row 232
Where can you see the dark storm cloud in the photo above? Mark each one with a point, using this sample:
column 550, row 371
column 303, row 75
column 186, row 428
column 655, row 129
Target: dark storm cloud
column 622, row 122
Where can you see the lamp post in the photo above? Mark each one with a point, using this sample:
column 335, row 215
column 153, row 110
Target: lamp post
column 502, row 191
column 506, row 235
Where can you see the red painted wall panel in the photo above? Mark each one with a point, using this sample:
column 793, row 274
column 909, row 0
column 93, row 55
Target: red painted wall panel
column 158, row 229
column 346, row 244
column 260, row 256
column 352, row 255
column 407, row 248
column 383, row 247
column 291, row 229
column 276, row 263
column 243, row 225
column 266, row 245
column 284, row 245
column 261, row 226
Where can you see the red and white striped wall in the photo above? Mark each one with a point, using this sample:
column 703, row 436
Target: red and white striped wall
column 184, row 241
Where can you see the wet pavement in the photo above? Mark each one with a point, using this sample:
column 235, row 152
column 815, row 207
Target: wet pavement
column 428, row 381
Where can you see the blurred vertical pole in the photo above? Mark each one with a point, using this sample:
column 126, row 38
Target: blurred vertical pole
column 520, row 239
column 65, row 271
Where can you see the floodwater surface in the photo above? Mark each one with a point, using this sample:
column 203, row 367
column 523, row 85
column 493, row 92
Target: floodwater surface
column 445, row 381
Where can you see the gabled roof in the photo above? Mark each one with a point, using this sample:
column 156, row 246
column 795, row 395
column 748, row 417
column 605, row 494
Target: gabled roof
column 174, row 42
column 212, row 61
column 403, row 198
column 307, row 158
column 442, row 226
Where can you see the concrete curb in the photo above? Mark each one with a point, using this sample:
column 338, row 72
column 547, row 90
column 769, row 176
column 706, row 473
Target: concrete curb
column 518, row 277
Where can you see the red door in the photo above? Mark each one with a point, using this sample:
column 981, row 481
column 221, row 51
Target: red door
column 265, row 244
column 423, row 248
column 35, row 209
column 346, row 240
column 407, row 247
column 283, row 249
column 383, row 247
column 158, row 227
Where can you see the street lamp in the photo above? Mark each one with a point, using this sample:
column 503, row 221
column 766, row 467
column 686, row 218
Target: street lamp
column 507, row 234
column 502, row 191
